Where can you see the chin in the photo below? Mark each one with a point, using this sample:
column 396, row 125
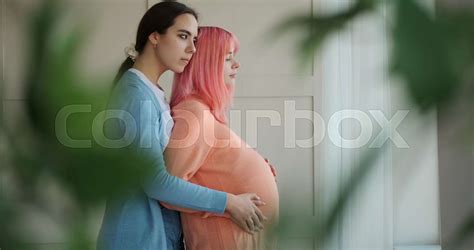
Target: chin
column 178, row 69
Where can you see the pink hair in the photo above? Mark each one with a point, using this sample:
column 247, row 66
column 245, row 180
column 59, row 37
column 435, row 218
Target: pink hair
column 204, row 75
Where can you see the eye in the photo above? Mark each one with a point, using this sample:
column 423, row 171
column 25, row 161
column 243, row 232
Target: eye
column 183, row 36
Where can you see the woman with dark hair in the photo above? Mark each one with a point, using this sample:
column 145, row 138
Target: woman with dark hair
column 165, row 41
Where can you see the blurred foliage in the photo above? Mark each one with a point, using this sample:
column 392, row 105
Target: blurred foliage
column 324, row 226
column 87, row 175
column 317, row 28
column 53, row 82
column 433, row 56
column 463, row 233
column 431, row 52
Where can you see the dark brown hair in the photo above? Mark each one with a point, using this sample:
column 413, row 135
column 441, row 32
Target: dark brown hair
column 158, row 18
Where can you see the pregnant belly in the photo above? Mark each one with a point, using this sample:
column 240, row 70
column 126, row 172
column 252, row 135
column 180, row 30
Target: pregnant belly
column 245, row 172
column 255, row 176
column 241, row 170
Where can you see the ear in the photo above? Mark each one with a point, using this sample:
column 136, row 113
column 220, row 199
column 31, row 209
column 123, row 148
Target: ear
column 154, row 38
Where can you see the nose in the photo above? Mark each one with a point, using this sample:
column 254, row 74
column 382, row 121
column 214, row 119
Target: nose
column 191, row 48
column 236, row 64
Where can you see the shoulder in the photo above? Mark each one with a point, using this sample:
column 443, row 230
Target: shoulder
column 130, row 90
column 193, row 109
column 132, row 85
column 129, row 95
column 193, row 105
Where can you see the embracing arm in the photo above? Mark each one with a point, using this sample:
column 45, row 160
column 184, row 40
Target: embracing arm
column 167, row 188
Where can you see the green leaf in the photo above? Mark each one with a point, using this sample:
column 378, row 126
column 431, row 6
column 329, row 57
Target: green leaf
column 424, row 54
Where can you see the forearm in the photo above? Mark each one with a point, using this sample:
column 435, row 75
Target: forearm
column 174, row 191
column 191, row 211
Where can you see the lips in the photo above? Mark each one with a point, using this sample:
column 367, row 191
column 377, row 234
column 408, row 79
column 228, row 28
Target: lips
column 185, row 60
column 232, row 75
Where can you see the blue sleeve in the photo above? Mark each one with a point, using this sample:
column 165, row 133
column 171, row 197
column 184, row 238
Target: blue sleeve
column 161, row 185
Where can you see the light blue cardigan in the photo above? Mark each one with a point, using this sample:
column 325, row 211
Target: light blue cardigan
column 136, row 222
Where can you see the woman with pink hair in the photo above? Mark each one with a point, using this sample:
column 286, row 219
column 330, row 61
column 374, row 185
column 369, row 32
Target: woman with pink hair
column 205, row 151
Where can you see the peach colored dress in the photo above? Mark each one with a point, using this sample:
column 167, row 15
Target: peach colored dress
column 206, row 152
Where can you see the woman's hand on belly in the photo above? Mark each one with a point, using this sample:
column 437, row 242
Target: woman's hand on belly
column 245, row 213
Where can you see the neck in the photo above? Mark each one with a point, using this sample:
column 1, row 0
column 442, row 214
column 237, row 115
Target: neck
column 149, row 66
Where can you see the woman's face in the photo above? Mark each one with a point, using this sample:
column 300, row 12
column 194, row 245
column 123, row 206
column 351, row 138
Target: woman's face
column 175, row 48
column 231, row 67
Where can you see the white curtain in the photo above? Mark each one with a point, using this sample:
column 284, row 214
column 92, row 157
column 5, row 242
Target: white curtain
column 355, row 83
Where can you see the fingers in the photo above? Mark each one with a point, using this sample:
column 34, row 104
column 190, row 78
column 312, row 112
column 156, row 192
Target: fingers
column 256, row 200
column 250, row 225
column 260, row 215
column 273, row 169
column 257, row 223
column 251, row 219
column 254, row 197
column 259, row 202
column 242, row 223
